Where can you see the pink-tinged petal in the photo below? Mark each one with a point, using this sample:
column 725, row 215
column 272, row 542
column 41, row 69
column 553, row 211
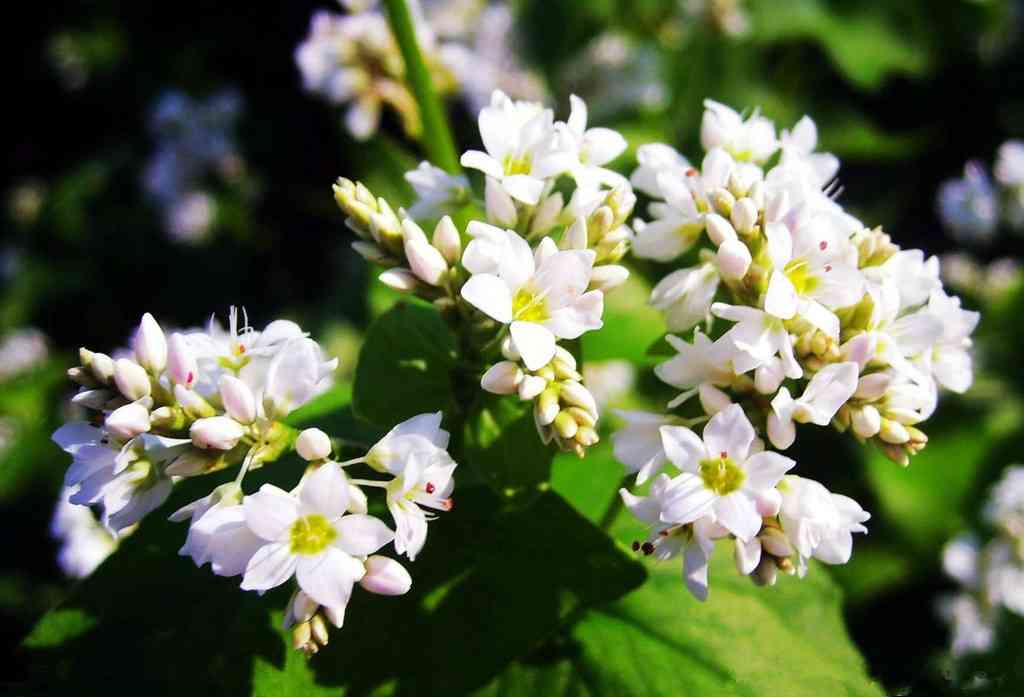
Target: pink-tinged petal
column 490, row 295
column 683, row 447
column 737, row 514
column 765, row 470
column 474, row 159
column 328, row 577
column 688, row 500
column 269, row 567
column 748, row 555
column 535, row 343
column 781, row 298
column 695, row 571
column 730, row 432
column 270, row 512
column 325, row 491
column 523, row 187
column 362, row 535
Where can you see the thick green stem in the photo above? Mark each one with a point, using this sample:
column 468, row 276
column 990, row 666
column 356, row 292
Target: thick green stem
column 436, row 137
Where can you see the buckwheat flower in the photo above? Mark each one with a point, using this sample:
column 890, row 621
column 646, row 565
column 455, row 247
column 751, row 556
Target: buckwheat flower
column 751, row 139
column 437, row 191
column 685, row 296
column 297, row 373
column 756, row 338
column 695, row 364
column 426, row 481
column 422, row 434
column 591, row 148
column 541, row 302
column 973, row 627
column 828, row 390
column 668, row 539
column 653, row 159
column 820, row 524
column 968, row 207
column 84, row 543
column 22, row 350
column 721, row 476
column 204, row 522
column 949, row 358
column 1009, row 168
column 677, row 224
column 961, row 560
column 309, row 536
column 799, row 145
column 1005, row 505
column 638, row 446
column 519, row 138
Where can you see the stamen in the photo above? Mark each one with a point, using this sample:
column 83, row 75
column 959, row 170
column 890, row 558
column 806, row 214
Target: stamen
column 636, row 546
column 691, row 172
column 189, row 378
column 723, row 455
column 828, row 267
column 429, row 487
column 647, row 548
column 823, row 245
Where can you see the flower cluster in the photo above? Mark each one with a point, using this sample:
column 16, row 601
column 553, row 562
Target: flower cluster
column 991, row 576
column 973, row 207
column 815, row 318
column 354, row 59
column 513, row 291
column 196, row 402
column 84, row 542
column 195, row 139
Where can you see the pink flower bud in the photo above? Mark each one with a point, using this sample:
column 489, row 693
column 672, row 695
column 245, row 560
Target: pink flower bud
column 712, row 399
column 385, row 576
column 313, row 444
column 781, row 432
column 128, row 421
column 447, row 241
column 181, row 361
column 239, row 401
column 216, row 432
column 873, row 386
column 502, row 378
column 719, row 229
column 733, row 259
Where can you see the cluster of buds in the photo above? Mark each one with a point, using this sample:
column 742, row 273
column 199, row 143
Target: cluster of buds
column 826, row 322
column 991, row 575
column 564, row 410
column 197, row 402
column 355, row 59
column 533, row 273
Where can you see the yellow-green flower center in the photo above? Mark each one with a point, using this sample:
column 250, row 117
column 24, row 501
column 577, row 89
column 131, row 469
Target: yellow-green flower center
column 528, row 306
column 514, row 164
column 798, row 273
column 721, row 475
column 311, row 534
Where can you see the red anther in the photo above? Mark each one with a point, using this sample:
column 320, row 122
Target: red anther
column 723, row 454
column 823, row 245
column 828, row 267
column 241, row 348
column 647, row 548
column 429, row 487
column 189, row 378
column 691, row 172
column 636, row 546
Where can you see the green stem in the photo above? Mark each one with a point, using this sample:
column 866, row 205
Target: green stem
column 615, row 507
column 436, row 138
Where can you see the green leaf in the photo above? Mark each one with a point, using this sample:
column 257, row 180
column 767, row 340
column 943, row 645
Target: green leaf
column 404, row 366
column 788, row 641
column 590, row 484
column 487, row 589
column 503, row 447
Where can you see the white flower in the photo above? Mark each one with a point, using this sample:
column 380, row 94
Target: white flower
column 720, row 476
column 756, row 338
column 828, row 390
column 960, row 560
column 799, row 144
column 542, row 300
column 521, row 151
column 653, row 159
column 420, row 434
column 818, row 523
column 295, row 375
column 949, row 357
column 638, row 445
column 310, row 536
column 752, row 139
column 84, row 543
column 694, row 364
column 437, row 191
column 425, row 481
column 685, row 296
column 973, row 628
column 592, row 148
column 205, row 522
column 1005, row 506
column 1009, row 169
column 695, row 542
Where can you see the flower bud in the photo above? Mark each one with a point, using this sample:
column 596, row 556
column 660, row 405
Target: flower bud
column 501, row 209
column 768, row 377
column 587, row 436
column 100, row 364
column 447, row 240
column 194, row 405
column 92, row 399
column 300, row 609
column 744, row 216
column 873, row 386
column 181, row 361
column 319, row 630
column 775, row 542
column 574, row 393
column 399, row 279
column 733, row 260
column 531, row 386
column 372, row 253
column 547, row 214
column 608, row 277
column 576, row 236
column 128, row 421
column 216, row 432
column 893, row 432
column 425, row 261
column 781, row 432
column 508, row 349
column 150, row 345
column 860, row 349
column 766, row 572
column 712, row 399
column 547, row 408
column 719, row 229
column 313, row 444
column 866, row 422
column 723, row 200
column 239, row 401
column 502, row 378
column 565, row 426
column 357, row 502
column 385, row 576
column 131, row 379
column 168, row 418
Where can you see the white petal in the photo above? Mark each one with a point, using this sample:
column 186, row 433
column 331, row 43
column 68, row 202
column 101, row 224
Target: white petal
column 270, row 512
column 748, row 555
column 362, row 535
column 535, row 343
column 737, row 513
column 730, row 432
column 524, row 188
column 271, row 566
column 695, row 571
column 490, row 295
column 781, row 298
column 474, row 159
column 325, row 491
column 328, row 578
column 683, row 447
column 765, row 470
column 688, row 500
